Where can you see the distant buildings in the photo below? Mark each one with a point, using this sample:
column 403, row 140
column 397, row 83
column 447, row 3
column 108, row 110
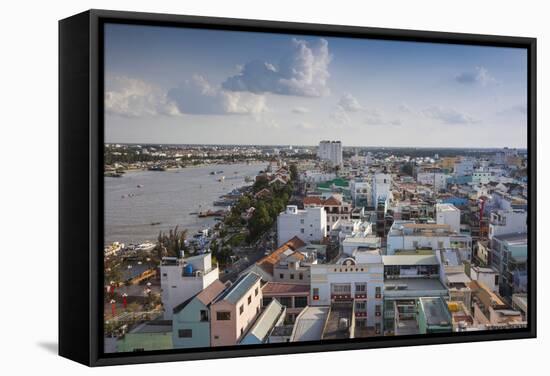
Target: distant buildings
column 309, row 224
column 330, row 151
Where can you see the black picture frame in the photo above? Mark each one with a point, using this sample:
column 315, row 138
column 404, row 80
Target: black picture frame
column 81, row 184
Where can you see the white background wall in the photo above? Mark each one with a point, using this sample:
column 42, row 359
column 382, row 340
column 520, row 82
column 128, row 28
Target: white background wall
column 29, row 183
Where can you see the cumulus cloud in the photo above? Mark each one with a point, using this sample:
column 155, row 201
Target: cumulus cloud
column 198, row 96
column 448, row 115
column 479, row 75
column 130, row 97
column 300, row 110
column 340, row 116
column 302, row 72
column 349, row 103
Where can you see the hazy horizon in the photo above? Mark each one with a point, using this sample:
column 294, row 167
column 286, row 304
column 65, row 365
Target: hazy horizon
column 172, row 85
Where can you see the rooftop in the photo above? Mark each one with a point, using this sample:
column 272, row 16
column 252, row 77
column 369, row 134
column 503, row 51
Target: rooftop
column 276, row 288
column 429, row 259
column 436, row 311
column 263, row 325
column 239, row 288
column 206, row 296
column 309, row 324
column 339, row 321
column 414, row 287
column 267, row 262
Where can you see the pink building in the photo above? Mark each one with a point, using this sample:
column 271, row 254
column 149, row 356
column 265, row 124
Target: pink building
column 235, row 311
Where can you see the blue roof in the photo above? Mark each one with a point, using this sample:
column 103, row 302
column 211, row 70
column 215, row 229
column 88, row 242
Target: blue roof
column 239, row 288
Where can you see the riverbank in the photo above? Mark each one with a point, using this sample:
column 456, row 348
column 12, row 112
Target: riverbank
column 142, row 203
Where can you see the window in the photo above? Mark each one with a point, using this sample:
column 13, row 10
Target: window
column 256, row 292
column 165, row 274
column 360, row 288
column 204, row 315
column 315, row 291
column 241, row 309
column 222, row 316
column 496, row 280
column 302, row 230
column 281, row 276
column 266, row 301
column 249, row 299
column 378, row 310
column 378, row 292
column 300, row 301
column 185, row 333
column 341, row 288
column 291, row 275
column 301, row 276
column 360, row 306
column 361, row 323
column 302, row 221
column 286, row 301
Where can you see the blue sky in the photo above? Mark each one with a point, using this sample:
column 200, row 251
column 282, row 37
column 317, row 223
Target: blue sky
column 176, row 85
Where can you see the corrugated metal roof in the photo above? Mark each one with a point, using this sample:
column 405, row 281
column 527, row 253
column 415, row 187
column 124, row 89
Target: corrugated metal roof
column 240, row 288
column 267, row 320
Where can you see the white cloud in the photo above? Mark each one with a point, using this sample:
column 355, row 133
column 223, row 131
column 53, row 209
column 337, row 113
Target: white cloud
column 479, row 75
column 340, row 116
column 302, row 72
column 349, row 103
column 300, row 110
column 198, row 96
column 448, row 115
column 132, row 97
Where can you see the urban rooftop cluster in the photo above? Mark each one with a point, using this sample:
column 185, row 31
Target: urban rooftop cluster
column 350, row 244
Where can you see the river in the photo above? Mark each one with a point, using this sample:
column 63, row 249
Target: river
column 167, row 197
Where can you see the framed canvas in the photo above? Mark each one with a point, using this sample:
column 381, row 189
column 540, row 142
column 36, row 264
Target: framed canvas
column 235, row 187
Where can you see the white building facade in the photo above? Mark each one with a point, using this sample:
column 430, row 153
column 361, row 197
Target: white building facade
column 330, row 151
column 360, row 279
column 182, row 278
column 309, row 224
column 448, row 214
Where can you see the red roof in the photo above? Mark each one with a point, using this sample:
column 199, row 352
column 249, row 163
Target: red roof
column 313, row 200
column 269, row 261
column 208, row 294
column 316, row 200
column 276, row 288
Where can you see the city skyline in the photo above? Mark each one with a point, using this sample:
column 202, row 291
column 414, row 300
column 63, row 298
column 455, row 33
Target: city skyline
column 182, row 86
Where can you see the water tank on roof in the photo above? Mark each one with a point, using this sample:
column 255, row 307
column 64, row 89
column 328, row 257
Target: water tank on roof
column 188, row 269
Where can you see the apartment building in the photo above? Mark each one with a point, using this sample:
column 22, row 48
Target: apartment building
column 409, row 235
column 182, row 278
column 235, row 310
column 330, row 151
column 309, row 224
column 357, row 280
column 335, row 207
column 191, row 319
